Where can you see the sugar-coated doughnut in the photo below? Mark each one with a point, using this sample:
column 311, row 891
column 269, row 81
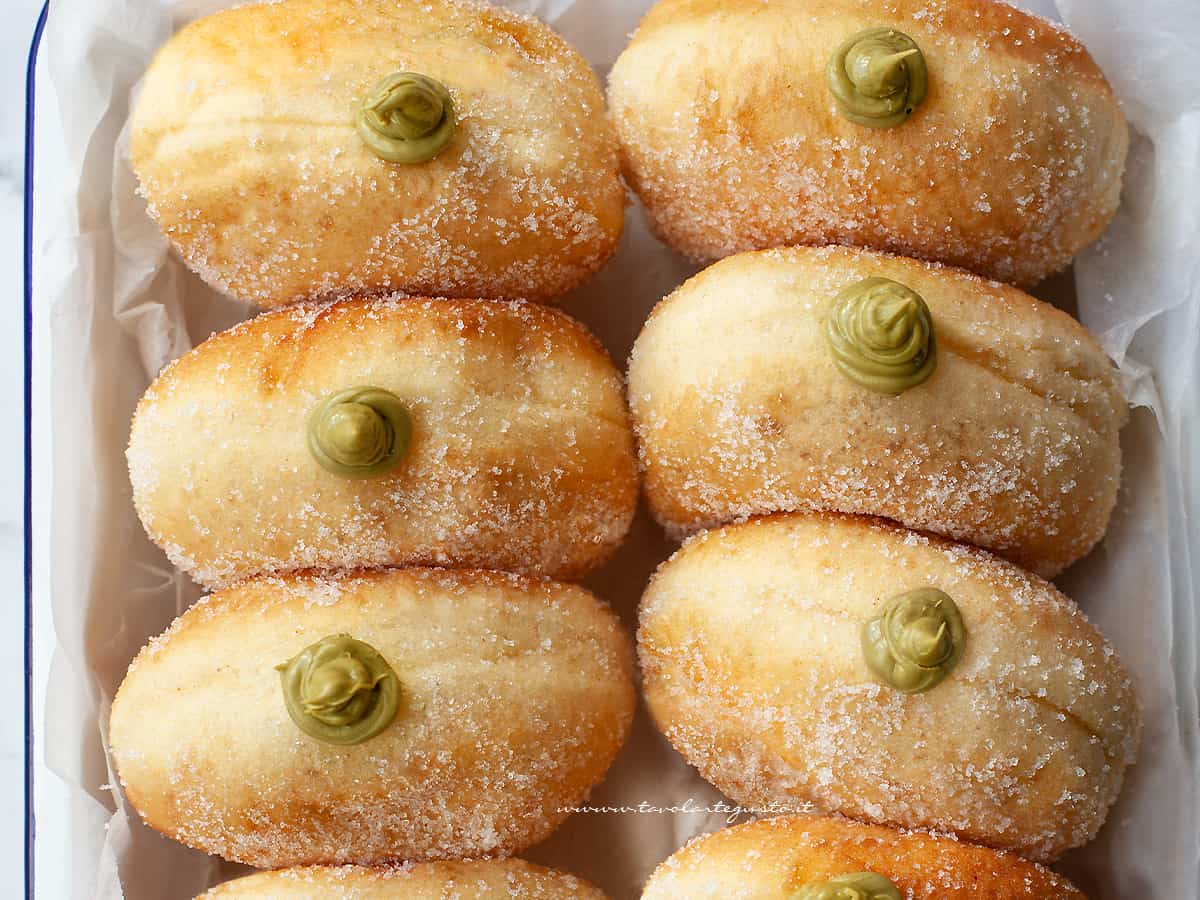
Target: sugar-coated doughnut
column 519, row 455
column 1005, row 435
column 247, row 145
column 1001, row 716
column 777, row 859
column 513, row 697
column 495, row 879
column 1007, row 160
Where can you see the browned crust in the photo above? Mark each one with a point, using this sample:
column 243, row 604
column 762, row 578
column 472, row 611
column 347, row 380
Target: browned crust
column 479, row 879
column 522, row 457
column 781, row 855
column 1015, row 156
column 245, row 148
column 480, row 762
column 296, row 332
column 1021, row 304
column 750, row 653
column 964, row 18
column 739, row 411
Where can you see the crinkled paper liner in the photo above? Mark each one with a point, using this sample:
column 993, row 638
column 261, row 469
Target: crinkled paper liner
column 120, row 307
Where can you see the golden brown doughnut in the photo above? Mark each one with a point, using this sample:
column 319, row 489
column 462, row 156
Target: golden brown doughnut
column 753, row 665
column 740, row 409
column 1010, row 165
column 476, row 880
column 515, row 696
column 773, row 858
column 521, row 456
column 245, row 145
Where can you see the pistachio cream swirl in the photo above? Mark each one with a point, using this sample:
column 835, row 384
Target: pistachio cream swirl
column 915, row 640
column 881, row 335
column 340, row 690
column 855, row 886
column 406, row 118
column 877, row 77
column 361, row 432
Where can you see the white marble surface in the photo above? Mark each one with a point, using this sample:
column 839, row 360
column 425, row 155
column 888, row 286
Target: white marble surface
column 19, row 18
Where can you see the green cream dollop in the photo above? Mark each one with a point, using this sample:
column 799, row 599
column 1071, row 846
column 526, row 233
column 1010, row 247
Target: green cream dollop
column 854, row 886
column 914, row 641
column 360, row 432
column 881, row 335
column 340, row 690
column 878, row 77
column 406, row 118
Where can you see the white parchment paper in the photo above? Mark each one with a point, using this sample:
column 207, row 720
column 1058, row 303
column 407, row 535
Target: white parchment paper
column 120, row 307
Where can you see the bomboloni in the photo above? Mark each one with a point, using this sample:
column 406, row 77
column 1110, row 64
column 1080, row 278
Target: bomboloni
column 847, row 380
column 970, row 132
column 387, row 432
column 499, row 879
column 845, row 665
column 310, row 149
column 372, row 717
column 810, row 858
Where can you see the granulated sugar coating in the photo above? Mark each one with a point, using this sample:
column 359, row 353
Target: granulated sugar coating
column 733, row 141
column 774, row 858
column 516, row 695
column 521, row 456
column 244, row 142
column 476, row 880
column 739, row 409
column 751, row 655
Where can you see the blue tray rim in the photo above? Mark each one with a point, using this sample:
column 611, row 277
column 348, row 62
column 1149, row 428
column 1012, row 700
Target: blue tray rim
column 30, row 103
